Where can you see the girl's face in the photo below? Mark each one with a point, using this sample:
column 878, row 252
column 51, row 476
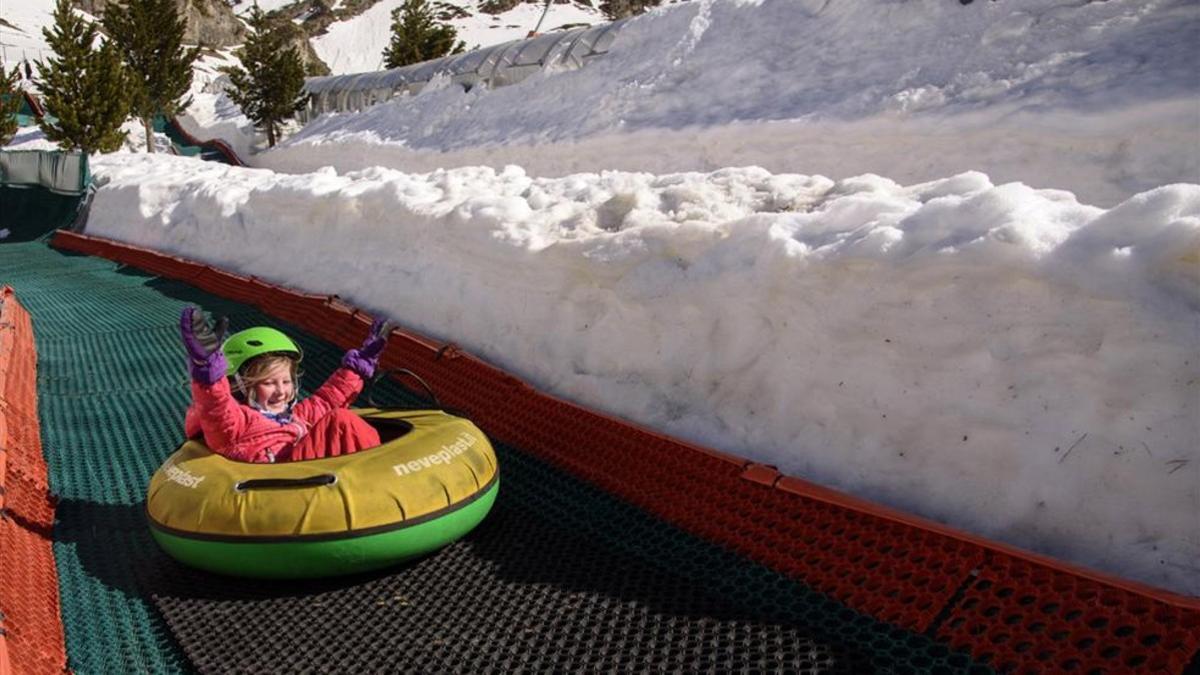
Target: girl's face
column 276, row 389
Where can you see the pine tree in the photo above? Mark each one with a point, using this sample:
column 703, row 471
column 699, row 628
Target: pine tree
column 85, row 88
column 418, row 36
column 149, row 34
column 10, row 104
column 269, row 87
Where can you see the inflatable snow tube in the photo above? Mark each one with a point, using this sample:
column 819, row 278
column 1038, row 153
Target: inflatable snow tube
column 433, row 479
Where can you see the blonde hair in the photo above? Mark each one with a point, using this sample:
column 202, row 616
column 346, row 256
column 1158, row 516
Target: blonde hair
column 258, row 368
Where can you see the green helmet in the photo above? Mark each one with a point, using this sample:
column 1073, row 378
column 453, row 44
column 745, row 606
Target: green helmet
column 247, row 344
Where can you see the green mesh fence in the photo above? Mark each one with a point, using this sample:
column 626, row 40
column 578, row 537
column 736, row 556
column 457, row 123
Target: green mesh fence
column 112, row 393
column 29, row 213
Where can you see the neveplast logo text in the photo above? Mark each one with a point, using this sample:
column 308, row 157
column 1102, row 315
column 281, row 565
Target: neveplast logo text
column 443, row 456
column 182, row 476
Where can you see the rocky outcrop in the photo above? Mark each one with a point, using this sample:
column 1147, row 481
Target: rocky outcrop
column 495, row 7
column 297, row 37
column 210, row 23
column 445, row 11
column 620, row 9
column 317, row 15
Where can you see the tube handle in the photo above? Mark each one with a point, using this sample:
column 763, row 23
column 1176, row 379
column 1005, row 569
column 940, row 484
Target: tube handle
column 284, row 483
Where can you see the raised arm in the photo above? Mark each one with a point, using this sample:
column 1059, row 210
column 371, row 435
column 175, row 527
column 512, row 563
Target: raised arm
column 358, row 365
column 214, row 412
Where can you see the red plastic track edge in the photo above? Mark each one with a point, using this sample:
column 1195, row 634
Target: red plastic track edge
column 6, row 296
column 41, row 647
column 763, row 474
column 34, row 104
column 768, row 475
column 217, row 143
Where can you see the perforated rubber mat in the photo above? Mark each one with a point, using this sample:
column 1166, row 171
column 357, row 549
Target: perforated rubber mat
column 560, row 577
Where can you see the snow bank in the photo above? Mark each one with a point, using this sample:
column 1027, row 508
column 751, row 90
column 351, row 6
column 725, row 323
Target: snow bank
column 1096, row 98
column 996, row 357
column 30, row 138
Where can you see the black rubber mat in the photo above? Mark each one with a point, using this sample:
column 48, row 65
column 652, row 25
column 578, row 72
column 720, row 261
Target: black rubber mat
column 521, row 593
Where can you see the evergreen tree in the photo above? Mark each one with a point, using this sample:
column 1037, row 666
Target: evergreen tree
column 85, row 88
column 10, row 104
column 418, row 36
column 149, row 34
column 269, row 87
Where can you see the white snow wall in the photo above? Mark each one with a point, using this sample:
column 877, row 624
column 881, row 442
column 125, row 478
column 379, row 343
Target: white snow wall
column 999, row 358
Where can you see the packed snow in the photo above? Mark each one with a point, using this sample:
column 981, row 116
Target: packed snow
column 943, row 257
column 1096, row 98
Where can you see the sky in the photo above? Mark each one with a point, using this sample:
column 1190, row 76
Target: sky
column 943, row 257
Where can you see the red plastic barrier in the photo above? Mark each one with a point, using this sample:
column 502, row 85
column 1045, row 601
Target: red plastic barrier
column 1007, row 607
column 32, row 637
column 216, row 143
column 34, row 104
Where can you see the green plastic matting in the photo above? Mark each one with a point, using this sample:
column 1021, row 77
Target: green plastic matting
column 561, row 577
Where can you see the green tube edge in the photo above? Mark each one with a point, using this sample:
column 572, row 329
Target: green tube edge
column 313, row 559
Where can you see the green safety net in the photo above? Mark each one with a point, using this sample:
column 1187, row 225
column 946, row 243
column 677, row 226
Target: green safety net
column 572, row 578
column 27, row 214
column 58, row 171
column 26, row 115
column 41, row 191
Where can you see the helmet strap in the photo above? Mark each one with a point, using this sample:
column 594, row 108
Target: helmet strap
column 241, row 387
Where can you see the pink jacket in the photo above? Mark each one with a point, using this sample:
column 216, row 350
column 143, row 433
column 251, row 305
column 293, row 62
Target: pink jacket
column 241, row 433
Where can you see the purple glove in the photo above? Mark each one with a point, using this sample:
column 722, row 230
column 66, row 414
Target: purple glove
column 364, row 359
column 203, row 344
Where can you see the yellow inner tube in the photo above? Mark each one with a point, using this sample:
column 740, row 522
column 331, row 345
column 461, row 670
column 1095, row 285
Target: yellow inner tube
column 430, row 461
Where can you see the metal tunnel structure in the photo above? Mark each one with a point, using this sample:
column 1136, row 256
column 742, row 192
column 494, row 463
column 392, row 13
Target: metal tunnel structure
column 496, row 66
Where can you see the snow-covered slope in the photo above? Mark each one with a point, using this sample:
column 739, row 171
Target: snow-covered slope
column 357, row 45
column 21, row 26
column 1096, row 98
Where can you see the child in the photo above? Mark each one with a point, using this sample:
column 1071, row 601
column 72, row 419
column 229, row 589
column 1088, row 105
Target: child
column 265, row 423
